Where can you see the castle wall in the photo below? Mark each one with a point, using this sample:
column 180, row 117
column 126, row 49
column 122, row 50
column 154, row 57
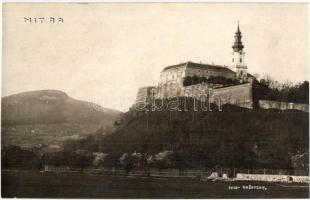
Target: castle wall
column 267, row 104
column 167, row 90
column 144, row 94
column 198, row 91
column 240, row 95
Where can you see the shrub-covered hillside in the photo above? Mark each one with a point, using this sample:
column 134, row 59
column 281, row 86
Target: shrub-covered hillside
column 233, row 137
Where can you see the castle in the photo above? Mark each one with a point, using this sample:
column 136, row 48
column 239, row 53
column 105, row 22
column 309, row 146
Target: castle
column 223, row 84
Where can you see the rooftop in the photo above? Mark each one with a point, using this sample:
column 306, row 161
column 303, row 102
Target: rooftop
column 201, row 66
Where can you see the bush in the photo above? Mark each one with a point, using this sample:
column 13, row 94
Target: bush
column 193, row 80
column 15, row 157
column 272, row 90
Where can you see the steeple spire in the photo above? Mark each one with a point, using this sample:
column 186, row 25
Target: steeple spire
column 238, row 29
column 238, row 46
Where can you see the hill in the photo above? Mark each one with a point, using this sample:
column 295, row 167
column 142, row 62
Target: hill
column 52, row 106
column 49, row 117
column 233, row 137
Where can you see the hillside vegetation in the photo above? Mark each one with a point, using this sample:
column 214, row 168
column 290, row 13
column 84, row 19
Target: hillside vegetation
column 269, row 89
column 234, row 137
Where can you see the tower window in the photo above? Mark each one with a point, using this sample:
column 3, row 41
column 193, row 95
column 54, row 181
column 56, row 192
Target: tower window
column 240, row 59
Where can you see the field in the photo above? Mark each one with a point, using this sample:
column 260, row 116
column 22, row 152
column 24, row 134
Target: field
column 46, row 134
column 76, row 185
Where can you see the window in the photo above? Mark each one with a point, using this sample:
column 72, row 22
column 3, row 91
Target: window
column 240, row 59
column 233, row 59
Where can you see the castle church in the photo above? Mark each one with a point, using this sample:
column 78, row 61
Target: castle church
column 238, row 91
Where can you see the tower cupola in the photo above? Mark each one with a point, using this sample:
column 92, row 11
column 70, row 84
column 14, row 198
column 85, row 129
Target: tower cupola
column 238, row 46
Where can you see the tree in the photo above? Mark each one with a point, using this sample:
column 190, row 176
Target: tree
column 268, row 89
column 127, row 162
column 16, row 157
column 195, row 80
column 187, row 81
column 99, row 159
column 81, row 159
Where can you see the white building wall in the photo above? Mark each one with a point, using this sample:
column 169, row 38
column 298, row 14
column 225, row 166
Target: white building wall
column 236, row 59
column 272, row 178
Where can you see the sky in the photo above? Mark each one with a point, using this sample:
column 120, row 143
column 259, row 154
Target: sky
column 103, row 52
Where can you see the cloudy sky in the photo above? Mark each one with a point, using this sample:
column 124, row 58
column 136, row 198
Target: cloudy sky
column 104, row 52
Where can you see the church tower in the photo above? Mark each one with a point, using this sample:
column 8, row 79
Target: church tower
column 238, row 59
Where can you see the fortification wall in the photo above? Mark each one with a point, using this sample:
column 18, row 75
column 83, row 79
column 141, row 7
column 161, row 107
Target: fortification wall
column 171, row 89
column 240, row 95
column 272, row 178
column 144, row 94
column 199, row 91
column 267, row 104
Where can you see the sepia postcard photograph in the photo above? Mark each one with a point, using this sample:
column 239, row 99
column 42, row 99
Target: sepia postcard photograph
column 140, row 100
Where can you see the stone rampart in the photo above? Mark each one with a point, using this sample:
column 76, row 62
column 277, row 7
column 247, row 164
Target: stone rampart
column 240, row 95
column 144, row 94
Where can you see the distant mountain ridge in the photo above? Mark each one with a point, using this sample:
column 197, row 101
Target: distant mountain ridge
column 49, row 117
column 52, row 106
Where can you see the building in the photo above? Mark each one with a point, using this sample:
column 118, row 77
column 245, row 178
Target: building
column 172, row 77
column 237, row 91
